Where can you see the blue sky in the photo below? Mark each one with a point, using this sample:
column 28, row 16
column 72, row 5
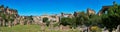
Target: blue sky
column 40, row 7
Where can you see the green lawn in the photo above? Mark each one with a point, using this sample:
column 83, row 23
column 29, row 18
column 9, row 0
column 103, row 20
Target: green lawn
column 21, row 28
column 31, row 28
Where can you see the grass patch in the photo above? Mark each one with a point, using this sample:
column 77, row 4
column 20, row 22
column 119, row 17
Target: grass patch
column 21, row 28
column 32, row 28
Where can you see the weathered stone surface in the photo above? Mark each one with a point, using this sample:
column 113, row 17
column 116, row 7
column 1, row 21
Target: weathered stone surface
column 90, row 11
column 39, row 19
column 118, row 28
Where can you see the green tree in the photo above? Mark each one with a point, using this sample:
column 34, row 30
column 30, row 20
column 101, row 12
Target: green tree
column 95, row 20
column 82, row 18
column 67, row 21
column 112, row 18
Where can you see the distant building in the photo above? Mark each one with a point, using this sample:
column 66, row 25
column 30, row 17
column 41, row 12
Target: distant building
column 90, row 11
column 103, row 10
column 66, row 15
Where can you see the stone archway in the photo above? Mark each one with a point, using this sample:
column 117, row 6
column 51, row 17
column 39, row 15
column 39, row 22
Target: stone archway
column 50, row 18
column 45, row 17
